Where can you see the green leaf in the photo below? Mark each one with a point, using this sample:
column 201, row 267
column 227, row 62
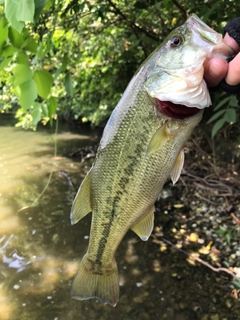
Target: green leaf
column 18, row 12
column 68, row 84
column 39, row 5
column 233, row 102
column 65, row 62
column 3, row 32
column 9, row 51
column 25, row 10
column 44, row 81
column 31, row 45
column 16, row 38
column 221, row 103
column 11, row 12
column 236, row 284
column 228, row 238
column 36, row 113
column 57, row 73
column 4, row 63
column 52, row 108
column 230, row 115
column 44, row 110
column 22, row 73
column 216, row 115
column 217, row 126
column 26, row 93
column 22, row 58
column 221, row 231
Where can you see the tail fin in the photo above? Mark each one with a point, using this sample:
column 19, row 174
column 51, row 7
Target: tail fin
column 103, row 287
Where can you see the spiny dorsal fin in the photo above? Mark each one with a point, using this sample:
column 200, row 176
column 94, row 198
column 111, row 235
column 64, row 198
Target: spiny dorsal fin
column 145, row 226
column 177, row 167
column 159, row 137
column 81, row 204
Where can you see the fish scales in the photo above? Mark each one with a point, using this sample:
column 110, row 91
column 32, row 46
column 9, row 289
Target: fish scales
column 142, row 145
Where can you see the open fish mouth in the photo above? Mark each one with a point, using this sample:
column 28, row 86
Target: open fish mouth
column 176, row 111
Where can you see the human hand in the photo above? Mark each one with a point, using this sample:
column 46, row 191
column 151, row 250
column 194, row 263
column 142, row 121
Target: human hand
column 216, row 69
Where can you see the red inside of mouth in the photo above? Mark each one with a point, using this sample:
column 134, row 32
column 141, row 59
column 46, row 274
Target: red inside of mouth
column 176, row 111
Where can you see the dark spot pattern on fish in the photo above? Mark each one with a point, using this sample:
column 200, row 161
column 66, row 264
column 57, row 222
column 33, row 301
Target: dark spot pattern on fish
column 103, row 240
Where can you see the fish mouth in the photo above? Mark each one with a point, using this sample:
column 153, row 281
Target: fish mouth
column 176, row 111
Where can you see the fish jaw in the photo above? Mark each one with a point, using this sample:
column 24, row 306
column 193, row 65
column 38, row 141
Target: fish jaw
column 203, row 35
column 178, row 73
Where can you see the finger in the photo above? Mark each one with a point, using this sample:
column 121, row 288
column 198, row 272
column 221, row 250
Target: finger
column 233, row 75
column 215, row 70
column 231, row 42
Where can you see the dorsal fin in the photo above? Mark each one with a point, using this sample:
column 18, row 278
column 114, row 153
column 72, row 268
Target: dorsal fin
column 145, row 226
column 81, row 204
column 177, row 167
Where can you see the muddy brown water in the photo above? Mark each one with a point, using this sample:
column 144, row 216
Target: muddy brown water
column 40, row 251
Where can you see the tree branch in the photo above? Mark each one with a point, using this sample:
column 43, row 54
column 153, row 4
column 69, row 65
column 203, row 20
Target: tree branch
column 180, row 8
column 219, row 269
column 132, row 24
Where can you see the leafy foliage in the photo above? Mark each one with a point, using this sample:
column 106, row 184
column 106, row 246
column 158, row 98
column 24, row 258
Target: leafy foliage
column 226, row 114
column 75, row 58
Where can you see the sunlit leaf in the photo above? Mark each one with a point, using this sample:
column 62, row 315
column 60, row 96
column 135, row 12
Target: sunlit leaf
column 3, row 32
column 44, row 110
column 4, row 63
column 25, row 10
column 68, row 84
column 9, row 51
column 44, row 81
column 22, row 73
column 22, row 58
column 16, row 38
column 52, row 108
column 44, row 48
column 11, row 12
column 26, row 93
column 31, row 45
column 36, row 113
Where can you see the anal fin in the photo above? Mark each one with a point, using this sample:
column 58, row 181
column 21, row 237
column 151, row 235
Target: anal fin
column 81, row 204
column 145, row 226
column 177, row 167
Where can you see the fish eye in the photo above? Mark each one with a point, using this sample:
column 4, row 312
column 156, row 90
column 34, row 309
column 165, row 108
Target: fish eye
column 175, row 41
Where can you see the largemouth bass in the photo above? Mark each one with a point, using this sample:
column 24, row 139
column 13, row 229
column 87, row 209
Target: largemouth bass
column 142, row 145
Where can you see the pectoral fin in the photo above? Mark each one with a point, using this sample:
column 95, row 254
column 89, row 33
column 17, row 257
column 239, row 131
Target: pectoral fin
column 81, row 204
column 145, row 226
column 160, row 137
column 177, row 167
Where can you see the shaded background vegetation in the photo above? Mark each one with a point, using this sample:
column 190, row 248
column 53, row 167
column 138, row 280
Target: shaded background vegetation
column 80, row 55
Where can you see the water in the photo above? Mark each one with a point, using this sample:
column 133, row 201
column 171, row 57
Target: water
column 40, row 251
